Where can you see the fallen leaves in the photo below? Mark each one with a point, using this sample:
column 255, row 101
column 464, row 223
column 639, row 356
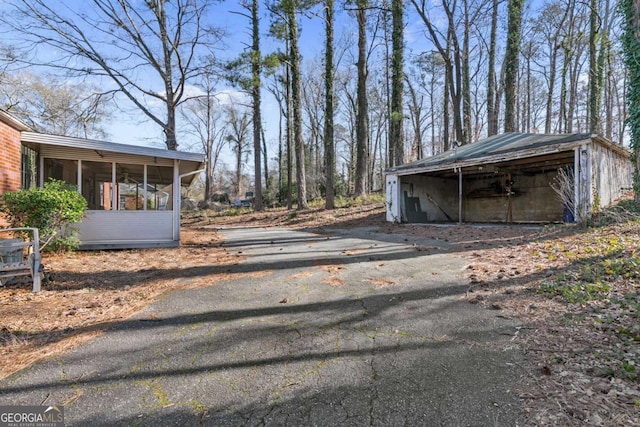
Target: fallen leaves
column 579, row 347
column 89, row 291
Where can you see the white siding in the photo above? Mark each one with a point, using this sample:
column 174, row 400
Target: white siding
column 613, row 175
column 131, row 228
column 393, row 199
column 582, row 173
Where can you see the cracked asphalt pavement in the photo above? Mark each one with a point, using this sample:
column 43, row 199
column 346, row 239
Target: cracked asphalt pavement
column 335, row 328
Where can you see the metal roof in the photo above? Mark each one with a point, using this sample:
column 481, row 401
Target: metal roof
column 112, row 147
column 498, row 148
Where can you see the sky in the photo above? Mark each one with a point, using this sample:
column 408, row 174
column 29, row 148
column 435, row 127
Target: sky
column 237, row 32
column 139, row 130
column 132, row 127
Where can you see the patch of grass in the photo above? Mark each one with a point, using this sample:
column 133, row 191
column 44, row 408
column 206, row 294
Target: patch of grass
column 575, row 292
column 623, row 369
column 292, row 215
column 629, row 302
column 623, row 211
column 599, row 267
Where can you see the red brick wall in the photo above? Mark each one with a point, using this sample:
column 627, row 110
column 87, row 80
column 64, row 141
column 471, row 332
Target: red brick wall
column 10, row 159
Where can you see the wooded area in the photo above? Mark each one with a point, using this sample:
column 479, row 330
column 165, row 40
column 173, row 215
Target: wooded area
column 395, row 82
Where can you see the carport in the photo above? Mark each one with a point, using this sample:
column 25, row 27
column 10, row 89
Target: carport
column 510, row 178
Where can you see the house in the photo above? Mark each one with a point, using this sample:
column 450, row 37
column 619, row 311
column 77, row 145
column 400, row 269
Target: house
column 510, row 178
column 133, row 192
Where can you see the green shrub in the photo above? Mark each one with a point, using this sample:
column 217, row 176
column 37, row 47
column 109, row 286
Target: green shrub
column 52, row 209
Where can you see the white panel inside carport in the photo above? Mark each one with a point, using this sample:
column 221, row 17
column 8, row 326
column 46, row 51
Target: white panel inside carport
column 393, row 199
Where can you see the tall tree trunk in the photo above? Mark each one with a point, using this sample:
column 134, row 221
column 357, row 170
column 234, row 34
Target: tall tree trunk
column 265, row 160
column 362, row 125
column 550, row 89
column 256, row 62
column 281, row 144
column 512, row 54
column 296, row 99
column 466, row 78
column 455, row 77
column 170, row 128
column 526, row 111
column 597, row 34
column 574, row 84
column 390, row 148
column 397, row 79
column 239, row 194
column 499, row 92
column 432, row 113
column 595, row 69
column 329, row 147
column 562, row 110
column 492, row 115
column 609, row 94
column 415, row 108
column 446, row 142
column 606, row 68
column 453, row 85
column 208, row 171
column 289, row 134
column 554, row 48
column 631, row 49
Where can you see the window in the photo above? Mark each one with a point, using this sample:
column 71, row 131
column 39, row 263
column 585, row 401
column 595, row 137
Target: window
column 63, row 170
column 129, row 192
column 130, row 185
column 97, row 186
column 28, row 168
column 159, row 188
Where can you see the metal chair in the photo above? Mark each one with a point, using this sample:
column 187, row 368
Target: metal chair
column 20, row 256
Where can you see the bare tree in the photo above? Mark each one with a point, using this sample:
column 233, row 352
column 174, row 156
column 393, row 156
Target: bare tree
column 50, row 105
column 238, row 121
column 447, row 44
column 203, row 117
column 547, row 32
column 313, row 108
column 278, row 86
column 139, row 46
column 416, row 111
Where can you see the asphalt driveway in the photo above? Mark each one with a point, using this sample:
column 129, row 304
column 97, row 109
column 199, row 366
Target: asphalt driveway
column 350, row 328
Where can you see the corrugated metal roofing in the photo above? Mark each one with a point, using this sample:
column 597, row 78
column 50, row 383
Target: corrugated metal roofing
column 509, row 145
column 112, row 147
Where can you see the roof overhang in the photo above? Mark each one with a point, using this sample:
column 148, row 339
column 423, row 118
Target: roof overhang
column 549, row 152
column 14, row 122
column 189, row 162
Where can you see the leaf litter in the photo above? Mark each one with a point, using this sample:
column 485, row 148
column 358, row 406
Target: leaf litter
column 577, row 290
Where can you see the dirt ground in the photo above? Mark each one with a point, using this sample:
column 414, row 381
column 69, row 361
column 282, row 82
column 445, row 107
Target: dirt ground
column 567, row 344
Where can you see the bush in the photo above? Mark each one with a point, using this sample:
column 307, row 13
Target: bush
column 52, row 209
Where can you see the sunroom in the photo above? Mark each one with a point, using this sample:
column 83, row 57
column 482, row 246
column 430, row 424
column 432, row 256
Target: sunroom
column 133, row 192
